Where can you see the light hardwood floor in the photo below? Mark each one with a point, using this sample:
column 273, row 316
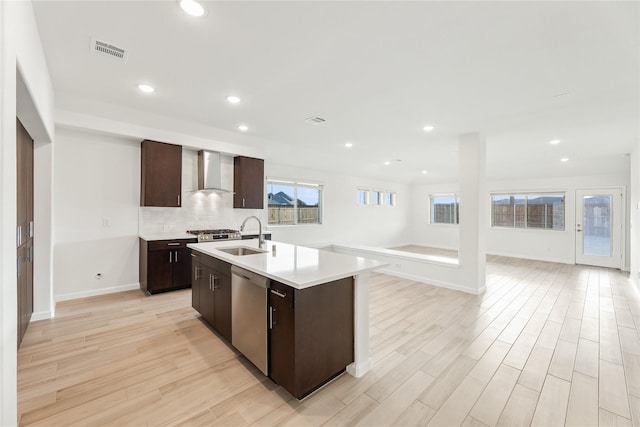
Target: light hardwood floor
column 546, row 345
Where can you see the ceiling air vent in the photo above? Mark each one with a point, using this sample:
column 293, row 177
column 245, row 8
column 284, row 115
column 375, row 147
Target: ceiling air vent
column 315, row 120
column 106, row 49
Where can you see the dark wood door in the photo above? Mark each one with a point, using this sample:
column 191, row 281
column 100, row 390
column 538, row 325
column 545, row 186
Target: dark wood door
column 24, row 228
column 159, row 270
column 181, row 265
column 222, row 304
column 248, row 183
column 161, row 174
column 282, row 336
column 207, row 307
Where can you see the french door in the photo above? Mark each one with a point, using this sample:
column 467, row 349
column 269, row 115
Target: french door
column 599, row 227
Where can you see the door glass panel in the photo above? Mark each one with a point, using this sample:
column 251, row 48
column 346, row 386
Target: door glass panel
column 597, row 225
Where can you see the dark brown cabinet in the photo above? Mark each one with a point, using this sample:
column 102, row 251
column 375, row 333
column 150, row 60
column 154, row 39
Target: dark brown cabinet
column 213, row 289
column 248, row 183
column 161, row 174
column 24, row 228
column 311, row 334
column 165, row 265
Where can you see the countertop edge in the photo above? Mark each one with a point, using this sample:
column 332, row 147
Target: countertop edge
column 237, row 261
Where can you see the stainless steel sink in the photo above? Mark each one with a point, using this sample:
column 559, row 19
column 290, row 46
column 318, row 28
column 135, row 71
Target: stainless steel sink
column 242, row 250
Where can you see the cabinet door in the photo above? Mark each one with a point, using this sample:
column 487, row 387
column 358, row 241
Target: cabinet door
column 161, row 174
column 282, row 336
column 222, row 304
column 181, row 268
column 159, row 271
column 248, row 183
column 207, row 307
column 196, row 282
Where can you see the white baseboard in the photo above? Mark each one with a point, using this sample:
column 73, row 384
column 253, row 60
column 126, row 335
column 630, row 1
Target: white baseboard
column 439, row 283
column 95, row 292
column 41, row 315
column 532, row 258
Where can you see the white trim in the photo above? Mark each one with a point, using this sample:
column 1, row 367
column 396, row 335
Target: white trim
column 41, row 315
column 532, row 258
column 433, row 282
column 95, row 292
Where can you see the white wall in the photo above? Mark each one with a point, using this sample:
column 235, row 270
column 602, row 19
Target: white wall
column 97, row 193
column 21, row 60
column 633, row 196
column 98, row 217
column 556, row 246
column 422, row 232
column 343, row 220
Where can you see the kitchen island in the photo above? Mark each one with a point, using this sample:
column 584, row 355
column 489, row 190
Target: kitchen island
column 326, row 293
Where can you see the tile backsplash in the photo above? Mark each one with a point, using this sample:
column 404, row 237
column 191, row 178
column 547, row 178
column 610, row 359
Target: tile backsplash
column 200, row 209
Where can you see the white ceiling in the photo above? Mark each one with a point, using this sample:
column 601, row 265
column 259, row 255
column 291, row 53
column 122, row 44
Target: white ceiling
column 377, row 72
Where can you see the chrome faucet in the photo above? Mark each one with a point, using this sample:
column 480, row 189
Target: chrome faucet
column 260, row 236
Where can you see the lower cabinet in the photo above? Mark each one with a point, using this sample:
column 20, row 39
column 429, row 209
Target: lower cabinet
column 165, row 265
column 211, row 292
column 311, row 334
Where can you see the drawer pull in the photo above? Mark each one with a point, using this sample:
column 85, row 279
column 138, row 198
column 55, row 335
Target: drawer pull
column 173, row 244
column 280, row 294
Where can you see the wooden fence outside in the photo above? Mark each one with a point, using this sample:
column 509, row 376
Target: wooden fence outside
column 286, row 215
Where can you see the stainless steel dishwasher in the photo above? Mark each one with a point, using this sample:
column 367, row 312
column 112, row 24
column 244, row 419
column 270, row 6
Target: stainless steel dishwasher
column 249, row 316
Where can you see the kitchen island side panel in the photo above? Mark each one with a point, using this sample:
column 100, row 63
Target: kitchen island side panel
column 324, row 333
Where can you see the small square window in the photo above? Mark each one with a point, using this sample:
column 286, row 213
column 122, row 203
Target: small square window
column 364, row 196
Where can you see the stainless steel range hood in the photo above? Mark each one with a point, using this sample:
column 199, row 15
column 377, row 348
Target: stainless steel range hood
column 209, row 172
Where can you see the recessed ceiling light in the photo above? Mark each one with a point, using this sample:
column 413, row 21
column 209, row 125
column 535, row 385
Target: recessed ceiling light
column 387, row 163
column 243, row 128
column 424, row 172
column 564, row 159
column 193, row 8
column 554, row 142
column 428, row 128
column 233, row 99
column 348, row 144
column 146, row 88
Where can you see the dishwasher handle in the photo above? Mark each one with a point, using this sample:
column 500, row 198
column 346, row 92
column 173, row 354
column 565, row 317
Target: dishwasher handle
column 254, row 278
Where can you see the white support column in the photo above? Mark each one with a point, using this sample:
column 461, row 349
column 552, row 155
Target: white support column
column 474, row 204
column 361, row 361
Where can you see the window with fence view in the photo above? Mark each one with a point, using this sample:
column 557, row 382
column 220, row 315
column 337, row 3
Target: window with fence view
column 444, row 209
column 292, row 203
column 540, row 211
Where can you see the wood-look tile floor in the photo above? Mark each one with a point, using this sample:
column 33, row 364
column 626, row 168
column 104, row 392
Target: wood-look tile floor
column 546, row 345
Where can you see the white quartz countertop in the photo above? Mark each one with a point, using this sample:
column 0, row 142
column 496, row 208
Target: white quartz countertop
column 297, row 266
column 167, row 236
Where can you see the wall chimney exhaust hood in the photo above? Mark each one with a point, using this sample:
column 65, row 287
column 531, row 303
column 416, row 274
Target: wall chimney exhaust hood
column 209, row 172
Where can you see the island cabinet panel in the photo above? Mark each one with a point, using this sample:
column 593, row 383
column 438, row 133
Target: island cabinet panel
column 165, row 265
column 161, row 174
column 213, row 289
column 196, row 281
column 311, row 334
column 248, row 183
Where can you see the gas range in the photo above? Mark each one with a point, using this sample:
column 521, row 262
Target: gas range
column 214, row 235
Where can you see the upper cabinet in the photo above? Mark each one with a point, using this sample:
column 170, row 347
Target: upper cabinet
column 161, row 177
column 248, row 183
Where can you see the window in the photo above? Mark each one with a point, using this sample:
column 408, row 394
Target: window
column 444, row 209
column 364, row 197
column 378, row 197
column 542, row 211
column 390, row 199
column 292, row 203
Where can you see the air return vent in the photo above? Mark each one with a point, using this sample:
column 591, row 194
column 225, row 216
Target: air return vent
column 315, row 120
column 106, row 49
